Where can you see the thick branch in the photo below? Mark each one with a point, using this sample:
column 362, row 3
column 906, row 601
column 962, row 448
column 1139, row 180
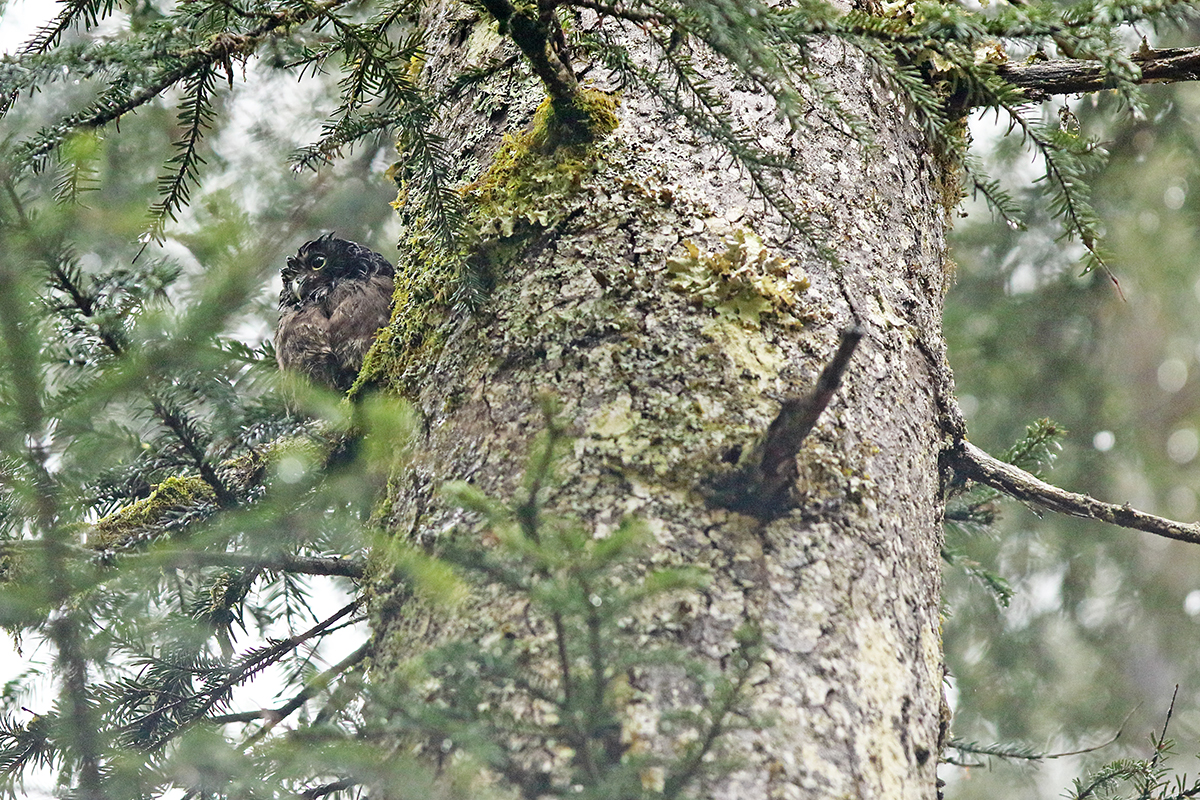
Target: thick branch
column 296, row 565
column 537, row 32
column 765, row 477
column 796, row 419
column 1042, row 79
column 1016, row 482
column 194, row 559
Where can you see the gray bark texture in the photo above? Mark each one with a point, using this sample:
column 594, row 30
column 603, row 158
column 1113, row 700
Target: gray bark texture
column 663, row 391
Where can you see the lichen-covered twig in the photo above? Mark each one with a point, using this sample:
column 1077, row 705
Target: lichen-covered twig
column 977, row 465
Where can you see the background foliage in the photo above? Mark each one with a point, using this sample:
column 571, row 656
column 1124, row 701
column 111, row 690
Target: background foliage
column 1103, row 622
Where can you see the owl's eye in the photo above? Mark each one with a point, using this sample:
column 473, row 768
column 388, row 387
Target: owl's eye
column 317, row 262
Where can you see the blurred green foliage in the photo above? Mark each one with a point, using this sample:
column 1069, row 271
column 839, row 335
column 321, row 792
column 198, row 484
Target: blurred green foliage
column 1103, row 622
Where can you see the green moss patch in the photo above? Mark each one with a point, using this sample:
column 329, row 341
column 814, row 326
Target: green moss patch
column 525, row 192
column 171, row 496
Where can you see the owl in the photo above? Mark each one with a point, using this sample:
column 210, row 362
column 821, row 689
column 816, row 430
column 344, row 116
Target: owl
column 336, row 296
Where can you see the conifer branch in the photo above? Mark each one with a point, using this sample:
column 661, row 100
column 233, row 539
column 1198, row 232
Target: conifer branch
column 721, row 707
column 183, row 559
column 343, row 133
column 113, row 104
column 250, row 665
column 1041, row 80
column 196, row 113
column 677, row 82
column 1064, row 155
column 191, row 440
column 65, row 624
column 382, row 72
column 978, row 466
column 75, row 12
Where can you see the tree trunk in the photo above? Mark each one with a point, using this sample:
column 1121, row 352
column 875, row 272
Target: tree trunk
column 668, row 372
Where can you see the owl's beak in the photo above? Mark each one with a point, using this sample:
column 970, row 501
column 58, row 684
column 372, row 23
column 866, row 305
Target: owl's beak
column 294, row 286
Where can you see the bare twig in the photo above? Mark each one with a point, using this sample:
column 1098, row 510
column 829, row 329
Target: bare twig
column 1020, row 754
column 275, row 716
column 1159, row 746
column 1016, row 482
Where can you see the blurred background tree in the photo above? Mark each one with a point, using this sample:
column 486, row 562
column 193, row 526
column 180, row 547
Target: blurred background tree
column 1103, row 623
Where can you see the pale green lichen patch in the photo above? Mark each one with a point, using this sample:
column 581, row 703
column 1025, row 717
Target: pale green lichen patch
column 482, row 43
column 743, row 283
column 751, row 354
column 615, row 419
column 883, row 681
column 828, row 471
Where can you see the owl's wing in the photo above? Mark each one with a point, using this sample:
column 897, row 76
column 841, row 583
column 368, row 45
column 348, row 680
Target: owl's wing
column 302, row 345
column 358, row 310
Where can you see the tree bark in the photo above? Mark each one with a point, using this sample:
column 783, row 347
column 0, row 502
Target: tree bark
column 663, row 393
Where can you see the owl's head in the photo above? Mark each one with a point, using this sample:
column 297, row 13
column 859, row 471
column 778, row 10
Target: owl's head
column 323, row 263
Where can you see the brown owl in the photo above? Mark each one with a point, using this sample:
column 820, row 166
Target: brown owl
column 336, row 296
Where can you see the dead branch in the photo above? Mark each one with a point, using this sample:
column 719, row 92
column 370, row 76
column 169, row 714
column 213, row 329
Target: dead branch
column 1016, row 482
column 1041, row 80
